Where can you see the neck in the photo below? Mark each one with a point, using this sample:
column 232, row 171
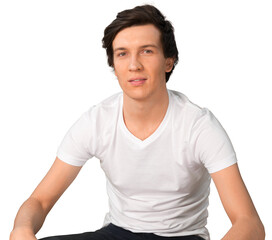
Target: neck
column 147, row 111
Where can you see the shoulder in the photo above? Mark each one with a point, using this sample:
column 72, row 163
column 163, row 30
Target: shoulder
column 105, row 108
column 190, row 118
column 183, row 107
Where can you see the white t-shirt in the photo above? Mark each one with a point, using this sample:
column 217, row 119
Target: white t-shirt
column 161, row 184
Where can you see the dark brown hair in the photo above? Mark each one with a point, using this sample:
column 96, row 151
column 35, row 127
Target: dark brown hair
column 142, row 15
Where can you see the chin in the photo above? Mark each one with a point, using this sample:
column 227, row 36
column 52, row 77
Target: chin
column 139, row 96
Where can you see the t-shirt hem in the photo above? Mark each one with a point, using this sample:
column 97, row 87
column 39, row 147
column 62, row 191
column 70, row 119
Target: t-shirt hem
column 65, row 158
column 227, row 162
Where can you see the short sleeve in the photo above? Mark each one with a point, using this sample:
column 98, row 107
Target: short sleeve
column 211, row 144
column 77, row 145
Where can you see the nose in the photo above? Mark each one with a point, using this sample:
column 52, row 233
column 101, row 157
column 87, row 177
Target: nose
column 135, row 64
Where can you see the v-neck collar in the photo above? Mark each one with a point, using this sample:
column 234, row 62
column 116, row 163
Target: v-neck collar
column 155, row 134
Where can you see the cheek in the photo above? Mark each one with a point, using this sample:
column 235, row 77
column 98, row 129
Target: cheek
column 120, row 74
column 159, row 68
column 119, row 68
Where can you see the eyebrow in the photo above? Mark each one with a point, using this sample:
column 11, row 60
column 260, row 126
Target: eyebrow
column 144, row 46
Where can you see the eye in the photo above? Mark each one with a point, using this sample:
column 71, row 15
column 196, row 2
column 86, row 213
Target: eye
column 121, row 54
column 147, row 51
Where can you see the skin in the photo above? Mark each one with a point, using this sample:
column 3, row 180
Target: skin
column 238, row 205
column 138, row 54
column 34, row 210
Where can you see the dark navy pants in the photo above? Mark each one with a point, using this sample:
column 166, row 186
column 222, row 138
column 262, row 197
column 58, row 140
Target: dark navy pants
column 112, row 232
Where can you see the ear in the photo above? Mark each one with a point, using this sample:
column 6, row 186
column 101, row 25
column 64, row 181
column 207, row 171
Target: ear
column 113, row 69
column 169, row 64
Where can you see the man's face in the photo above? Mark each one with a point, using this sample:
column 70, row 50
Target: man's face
column 139, row 62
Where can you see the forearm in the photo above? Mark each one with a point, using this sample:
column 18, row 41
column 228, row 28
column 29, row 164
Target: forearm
column 246, row 229
column 30, row 216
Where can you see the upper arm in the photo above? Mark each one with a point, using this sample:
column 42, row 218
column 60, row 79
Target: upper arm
column 56, row 181
column 233, row 193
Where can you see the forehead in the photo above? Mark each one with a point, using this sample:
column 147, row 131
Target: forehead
column 137, row 36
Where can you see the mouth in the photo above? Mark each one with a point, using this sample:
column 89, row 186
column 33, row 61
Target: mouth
column 137, row 79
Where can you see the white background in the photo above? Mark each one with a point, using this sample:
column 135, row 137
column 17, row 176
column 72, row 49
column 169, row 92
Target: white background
column 53, row 68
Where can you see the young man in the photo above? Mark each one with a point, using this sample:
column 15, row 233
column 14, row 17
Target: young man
column 157, row 149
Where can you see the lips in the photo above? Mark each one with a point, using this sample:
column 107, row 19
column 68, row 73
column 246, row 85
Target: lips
column 137, row 79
